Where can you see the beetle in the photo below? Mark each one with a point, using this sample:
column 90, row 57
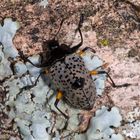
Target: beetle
column 67, row 70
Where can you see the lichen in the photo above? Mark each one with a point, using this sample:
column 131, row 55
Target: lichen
column 100, row 125
column 5, row 69
column 43, row 3
column 7, row 32
column 132, row 127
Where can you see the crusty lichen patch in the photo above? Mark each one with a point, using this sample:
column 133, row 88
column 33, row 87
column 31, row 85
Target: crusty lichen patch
column 132, row 124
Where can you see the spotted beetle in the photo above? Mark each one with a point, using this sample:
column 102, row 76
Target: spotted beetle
column 67, row 70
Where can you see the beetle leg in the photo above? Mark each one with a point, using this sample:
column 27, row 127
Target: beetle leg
column 95, row 72
column 34, row 84
column 25, row 59
column 59, row 96
column 82, row 52
column 105, row 65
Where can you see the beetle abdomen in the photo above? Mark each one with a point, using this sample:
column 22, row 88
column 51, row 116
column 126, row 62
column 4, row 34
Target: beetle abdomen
column 73, row 79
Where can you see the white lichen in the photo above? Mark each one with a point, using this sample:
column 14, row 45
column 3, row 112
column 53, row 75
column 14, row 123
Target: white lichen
column 43, row 3
column 133, row 115
column 100, row 125
column 39, row 131
column 27, row 80
column 20, row 68
column 132, row 128
column 7, row 32
column 32, row 69
column 5, row 70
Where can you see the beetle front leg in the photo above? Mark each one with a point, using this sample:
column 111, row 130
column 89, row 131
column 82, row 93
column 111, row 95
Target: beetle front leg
column 25, row 59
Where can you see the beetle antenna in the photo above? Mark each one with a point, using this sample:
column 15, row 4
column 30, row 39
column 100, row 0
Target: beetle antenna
column 76, row 47
column 81, row 20
column 62, row 21
column 79, row 26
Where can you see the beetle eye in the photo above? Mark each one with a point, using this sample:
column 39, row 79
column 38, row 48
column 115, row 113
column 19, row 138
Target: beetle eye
column 52, row 44
column 54, row 47
column 78, row 83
